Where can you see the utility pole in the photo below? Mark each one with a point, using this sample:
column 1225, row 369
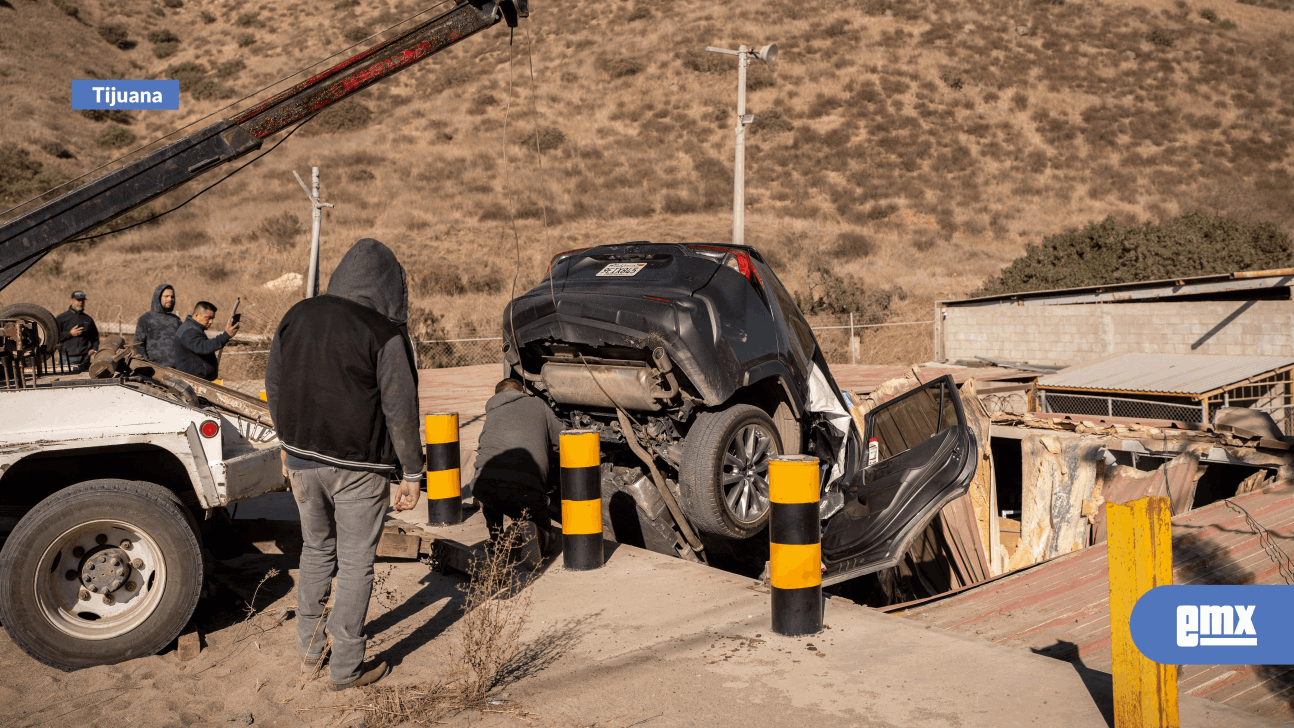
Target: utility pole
column 316, row 216
column 767, row 54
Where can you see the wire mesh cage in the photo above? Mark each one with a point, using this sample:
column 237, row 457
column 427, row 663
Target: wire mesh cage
column 1108, row 406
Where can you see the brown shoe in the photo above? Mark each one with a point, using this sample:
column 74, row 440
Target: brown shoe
column 367, row 676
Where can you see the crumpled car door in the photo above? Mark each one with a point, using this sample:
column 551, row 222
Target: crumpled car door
column 920, row 456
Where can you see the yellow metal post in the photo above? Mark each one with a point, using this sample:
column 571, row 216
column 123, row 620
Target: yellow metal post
column 1140, row 559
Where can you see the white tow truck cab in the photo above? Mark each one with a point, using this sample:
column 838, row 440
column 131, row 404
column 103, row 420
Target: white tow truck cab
column 104, row 485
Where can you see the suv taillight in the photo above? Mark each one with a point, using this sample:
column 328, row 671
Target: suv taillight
column 735, row 259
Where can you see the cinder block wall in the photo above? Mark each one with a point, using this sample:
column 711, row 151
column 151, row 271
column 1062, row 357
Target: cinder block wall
column 1074, row 334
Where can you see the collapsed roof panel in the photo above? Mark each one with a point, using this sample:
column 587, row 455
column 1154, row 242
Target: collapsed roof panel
column 1190, row 375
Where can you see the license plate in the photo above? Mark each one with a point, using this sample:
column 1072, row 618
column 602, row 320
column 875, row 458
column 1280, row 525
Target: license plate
column 622, row 269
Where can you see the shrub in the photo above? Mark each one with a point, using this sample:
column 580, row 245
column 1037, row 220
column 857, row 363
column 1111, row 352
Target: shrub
column 114, row 137
column 175, row 4
column 187, row 73
column 832, row 294
column 20, row 175
column 281, row 231
column 1160, row 37
column 772, row 121
column 642, row 12
column 1110, row 252
column 349, row 115
column 355, row 34
column 703, row 61
column 1209, row 14
column 249, row 20
column 162, row 36
column 116, row 34
column 230, row 68
column 1227, row 25
column 57, row 150
column 208, row 89
column 548, row 138
column 166, row 50
column 68, row 8
column 622, row 67
column 207, row 17
column 120, row 116
column 1020, row 100
column 346, row 5
column 246, row 39
column 852, row 245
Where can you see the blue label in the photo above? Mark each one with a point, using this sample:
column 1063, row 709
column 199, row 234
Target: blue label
column 130, row 94
column 1216, row 625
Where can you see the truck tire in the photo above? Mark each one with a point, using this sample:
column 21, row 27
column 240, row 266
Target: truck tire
column 100, row 572
column 38, row 315
column 724, row 479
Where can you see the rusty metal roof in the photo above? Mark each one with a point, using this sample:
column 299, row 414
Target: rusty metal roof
column 1257, row 281
column 1185, row 374
column 1061, row 608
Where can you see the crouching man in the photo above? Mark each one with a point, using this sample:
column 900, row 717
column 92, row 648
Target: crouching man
column 342, row 388
column 512, row 462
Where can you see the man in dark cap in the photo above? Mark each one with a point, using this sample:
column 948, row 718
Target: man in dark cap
column 77, row 333
column 155, row 330
column 348, row 421
column 193, row 351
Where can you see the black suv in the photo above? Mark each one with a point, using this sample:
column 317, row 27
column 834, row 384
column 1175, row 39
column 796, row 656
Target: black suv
column 695, row 365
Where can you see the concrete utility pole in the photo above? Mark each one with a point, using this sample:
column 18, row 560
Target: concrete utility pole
column 316, row 215
column 767, row 54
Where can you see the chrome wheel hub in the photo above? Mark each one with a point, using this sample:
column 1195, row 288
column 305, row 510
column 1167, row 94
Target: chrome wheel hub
column 745, row 473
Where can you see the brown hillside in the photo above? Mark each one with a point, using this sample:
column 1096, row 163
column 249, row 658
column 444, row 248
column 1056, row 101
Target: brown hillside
column 910, row 145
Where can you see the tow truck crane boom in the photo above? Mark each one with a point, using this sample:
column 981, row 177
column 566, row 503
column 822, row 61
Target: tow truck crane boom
column 26, row 239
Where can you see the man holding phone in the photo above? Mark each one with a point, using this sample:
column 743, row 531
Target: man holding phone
column 194, row 353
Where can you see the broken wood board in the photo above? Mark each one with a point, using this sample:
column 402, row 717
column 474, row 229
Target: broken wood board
column 983, row 488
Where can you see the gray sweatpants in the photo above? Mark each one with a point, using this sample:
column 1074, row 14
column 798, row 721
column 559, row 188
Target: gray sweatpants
column 341, row 522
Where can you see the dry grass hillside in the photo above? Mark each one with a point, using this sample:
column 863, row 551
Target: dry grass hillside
column 909, row 148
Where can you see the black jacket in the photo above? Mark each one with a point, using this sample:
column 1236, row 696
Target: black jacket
column 341, row 381
column 156, row 329
column 77, row 345
column 194, row 353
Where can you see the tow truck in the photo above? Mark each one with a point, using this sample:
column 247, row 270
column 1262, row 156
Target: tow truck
column 106, row 476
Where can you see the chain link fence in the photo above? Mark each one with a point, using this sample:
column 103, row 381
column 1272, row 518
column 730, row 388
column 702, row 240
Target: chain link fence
column 1185, row 411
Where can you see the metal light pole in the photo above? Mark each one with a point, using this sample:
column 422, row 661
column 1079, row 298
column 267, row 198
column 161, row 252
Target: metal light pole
column 767, row 54
column 316, row 216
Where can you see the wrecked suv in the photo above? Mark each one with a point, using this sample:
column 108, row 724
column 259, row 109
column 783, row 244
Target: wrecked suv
column 694, row 364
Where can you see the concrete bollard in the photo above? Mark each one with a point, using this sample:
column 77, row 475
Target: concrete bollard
column 1140, row 558
column 444, row 484
column 795, row 545
column 581, row 459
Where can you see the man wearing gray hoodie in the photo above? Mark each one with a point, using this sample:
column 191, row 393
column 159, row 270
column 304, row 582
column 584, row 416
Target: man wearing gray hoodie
column 343, row 391
column 155, row 330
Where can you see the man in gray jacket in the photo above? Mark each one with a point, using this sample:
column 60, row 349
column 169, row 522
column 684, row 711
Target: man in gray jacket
column 512, row 461
column 343, row 391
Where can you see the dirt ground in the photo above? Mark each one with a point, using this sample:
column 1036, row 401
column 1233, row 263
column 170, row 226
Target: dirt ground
column 646, row 640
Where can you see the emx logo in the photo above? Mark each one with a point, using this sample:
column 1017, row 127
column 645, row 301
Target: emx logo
column 1215, row 625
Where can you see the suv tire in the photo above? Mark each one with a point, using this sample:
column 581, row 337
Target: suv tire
column 133, row 543
column 724, row 479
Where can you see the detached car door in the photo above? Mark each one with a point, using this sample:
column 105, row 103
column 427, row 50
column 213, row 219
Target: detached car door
column 920, row 456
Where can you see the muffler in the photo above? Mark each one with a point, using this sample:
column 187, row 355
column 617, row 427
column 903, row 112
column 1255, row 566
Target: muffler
column 600, row 385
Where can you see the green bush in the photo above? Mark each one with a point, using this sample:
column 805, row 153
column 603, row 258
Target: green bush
column 852, row 245
column 187, row 73
column 1227, row 25
column 116, row 34
column 835, row 295
column 20, row 175
column 173, row 3
column 346, row 5
column 772, row 121
column 208, row 89
column 1110, row 252
column 207, row 17
column 548, row 138
column 703, row 61
column 349, row 115
column 1160, row 37
column 249, row 20
column 230, row 68
column 162, row 36
column 121, row 116
column 246, row 39
column 642, row 12
column 282, row 231
column 166, row 50
column 114, row 137
column 1209, row 14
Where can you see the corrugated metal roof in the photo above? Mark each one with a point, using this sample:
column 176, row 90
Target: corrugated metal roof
column 1062, row 608
column 1172, row 373
column 1143, row 290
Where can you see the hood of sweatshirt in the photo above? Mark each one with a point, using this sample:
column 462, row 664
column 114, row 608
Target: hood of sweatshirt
column 157, row 299
column 502, row 398
column 370, row 275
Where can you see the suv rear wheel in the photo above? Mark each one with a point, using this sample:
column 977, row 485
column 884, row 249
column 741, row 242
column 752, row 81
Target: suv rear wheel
column 724, row 480
column 100, row 572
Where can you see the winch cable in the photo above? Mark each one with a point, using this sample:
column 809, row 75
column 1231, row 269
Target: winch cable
column 625, row 418
column 224, row 108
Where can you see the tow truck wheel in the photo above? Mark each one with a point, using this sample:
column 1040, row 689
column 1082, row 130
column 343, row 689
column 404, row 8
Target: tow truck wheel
column 101, row 572
column 724, row 479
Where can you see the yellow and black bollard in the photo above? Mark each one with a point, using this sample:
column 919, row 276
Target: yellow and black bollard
column 444, row 483
column 795, row 545
column 581, row 500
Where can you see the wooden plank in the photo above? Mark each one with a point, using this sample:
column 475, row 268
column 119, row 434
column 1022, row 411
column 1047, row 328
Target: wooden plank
column 1180, row 473
column 983, row 488
column 962, row 534
column 1140, row 559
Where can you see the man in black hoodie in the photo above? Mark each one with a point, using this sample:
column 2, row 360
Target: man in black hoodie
column 343, row 391
column 155, row 330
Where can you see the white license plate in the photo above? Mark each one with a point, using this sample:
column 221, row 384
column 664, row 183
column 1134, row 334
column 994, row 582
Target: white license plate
column 622, row 269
